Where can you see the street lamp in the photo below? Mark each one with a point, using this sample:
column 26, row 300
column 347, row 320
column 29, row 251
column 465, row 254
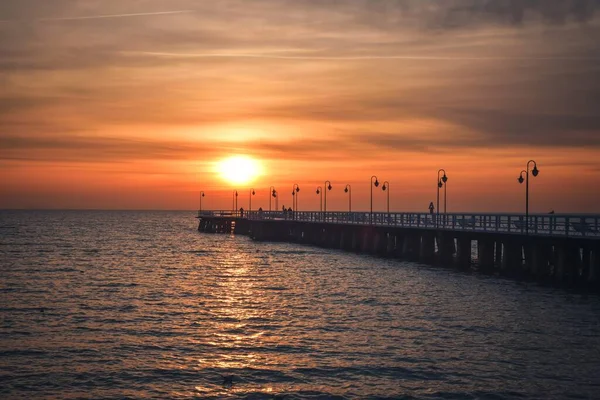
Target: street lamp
column 295, row 190
column 272, row 193
column 348, row 190
column 234, row 200
column 320, row 191
column 201, row 196
column 441, row 182
column 252, row 193
column 371, row 184
column 535, row 171
column 327, row 187
column 386, row 185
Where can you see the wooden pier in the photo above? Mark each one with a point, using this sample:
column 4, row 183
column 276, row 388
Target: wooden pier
column 561, row 249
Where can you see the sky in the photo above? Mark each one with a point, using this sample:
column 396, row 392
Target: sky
column 108, row 104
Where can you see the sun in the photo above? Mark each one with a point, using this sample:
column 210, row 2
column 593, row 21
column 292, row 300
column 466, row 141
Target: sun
column 239, row 169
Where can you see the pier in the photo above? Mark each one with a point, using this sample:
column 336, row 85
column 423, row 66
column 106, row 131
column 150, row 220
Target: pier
column 549, row 248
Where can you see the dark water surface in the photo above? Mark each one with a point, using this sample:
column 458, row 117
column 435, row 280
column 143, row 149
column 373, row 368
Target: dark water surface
column 139, row 304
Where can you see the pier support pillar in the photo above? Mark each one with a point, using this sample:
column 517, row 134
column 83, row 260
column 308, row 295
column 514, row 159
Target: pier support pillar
column 568, row 263
column 299, row 234
column 343, row 243
column 391, row 245
column 367, row 240
column 537, row 259
column 485, row 254
column 445, row 248
column 586, row 266
column 575, row 262
column 498, row 251
column 560, row 264
column 322, row 237
column 356, row 240
column 463, row 258
column 380, row 243
column 398, row 252
column 333, row 239
column 594, row 275
column 410, row 246
column 512, row 262
column 427, row 247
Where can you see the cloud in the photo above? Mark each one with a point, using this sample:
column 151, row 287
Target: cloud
column 365, row 68
column 99, row 149
column 373, row 57
column 147, row 14
column 447, row 14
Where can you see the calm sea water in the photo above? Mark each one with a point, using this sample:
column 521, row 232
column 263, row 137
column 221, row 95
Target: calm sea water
column 140, row 305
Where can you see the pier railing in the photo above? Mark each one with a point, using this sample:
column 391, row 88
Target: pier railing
column 587, row 225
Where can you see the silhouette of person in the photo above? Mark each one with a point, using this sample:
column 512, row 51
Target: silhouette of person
column 431, row 208
column 241, row 212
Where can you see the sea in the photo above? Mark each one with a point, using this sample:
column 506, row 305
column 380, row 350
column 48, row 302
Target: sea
column 139, row 304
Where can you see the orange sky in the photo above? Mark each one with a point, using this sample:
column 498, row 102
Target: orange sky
column 129, row 105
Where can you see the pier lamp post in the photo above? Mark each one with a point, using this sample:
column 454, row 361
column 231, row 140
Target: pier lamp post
column 348, row 190
column 441, row 182
column 201, row 196
column 386, row 186
column 234, row 200
column 295, row 190
column 371, row 184
column 252, row 193
column 328, row 186
column 272, row 193
column 320, row 191
column 535, row 171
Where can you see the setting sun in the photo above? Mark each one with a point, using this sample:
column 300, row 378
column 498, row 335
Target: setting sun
column 239, row 169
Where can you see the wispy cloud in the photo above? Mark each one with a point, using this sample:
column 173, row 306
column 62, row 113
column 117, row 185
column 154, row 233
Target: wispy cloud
column 141, row 14
column 373, row 57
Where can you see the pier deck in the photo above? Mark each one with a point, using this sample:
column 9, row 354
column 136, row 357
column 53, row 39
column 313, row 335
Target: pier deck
column 561, row 248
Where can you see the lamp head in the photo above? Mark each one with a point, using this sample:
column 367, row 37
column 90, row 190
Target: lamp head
column 329, row 187
column 376, row 183
column 383, row 187
column 202, row 194
column 274, row 193
column 253, row 193
column 521, row 180
column 445, row 178
column 440, row 184
column 318, row 191
column 297, row 189
column 535, row 171
column 346, row 189
column 236, row 193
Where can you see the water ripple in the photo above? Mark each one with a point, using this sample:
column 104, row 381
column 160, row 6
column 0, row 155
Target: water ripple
column 141, row 305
